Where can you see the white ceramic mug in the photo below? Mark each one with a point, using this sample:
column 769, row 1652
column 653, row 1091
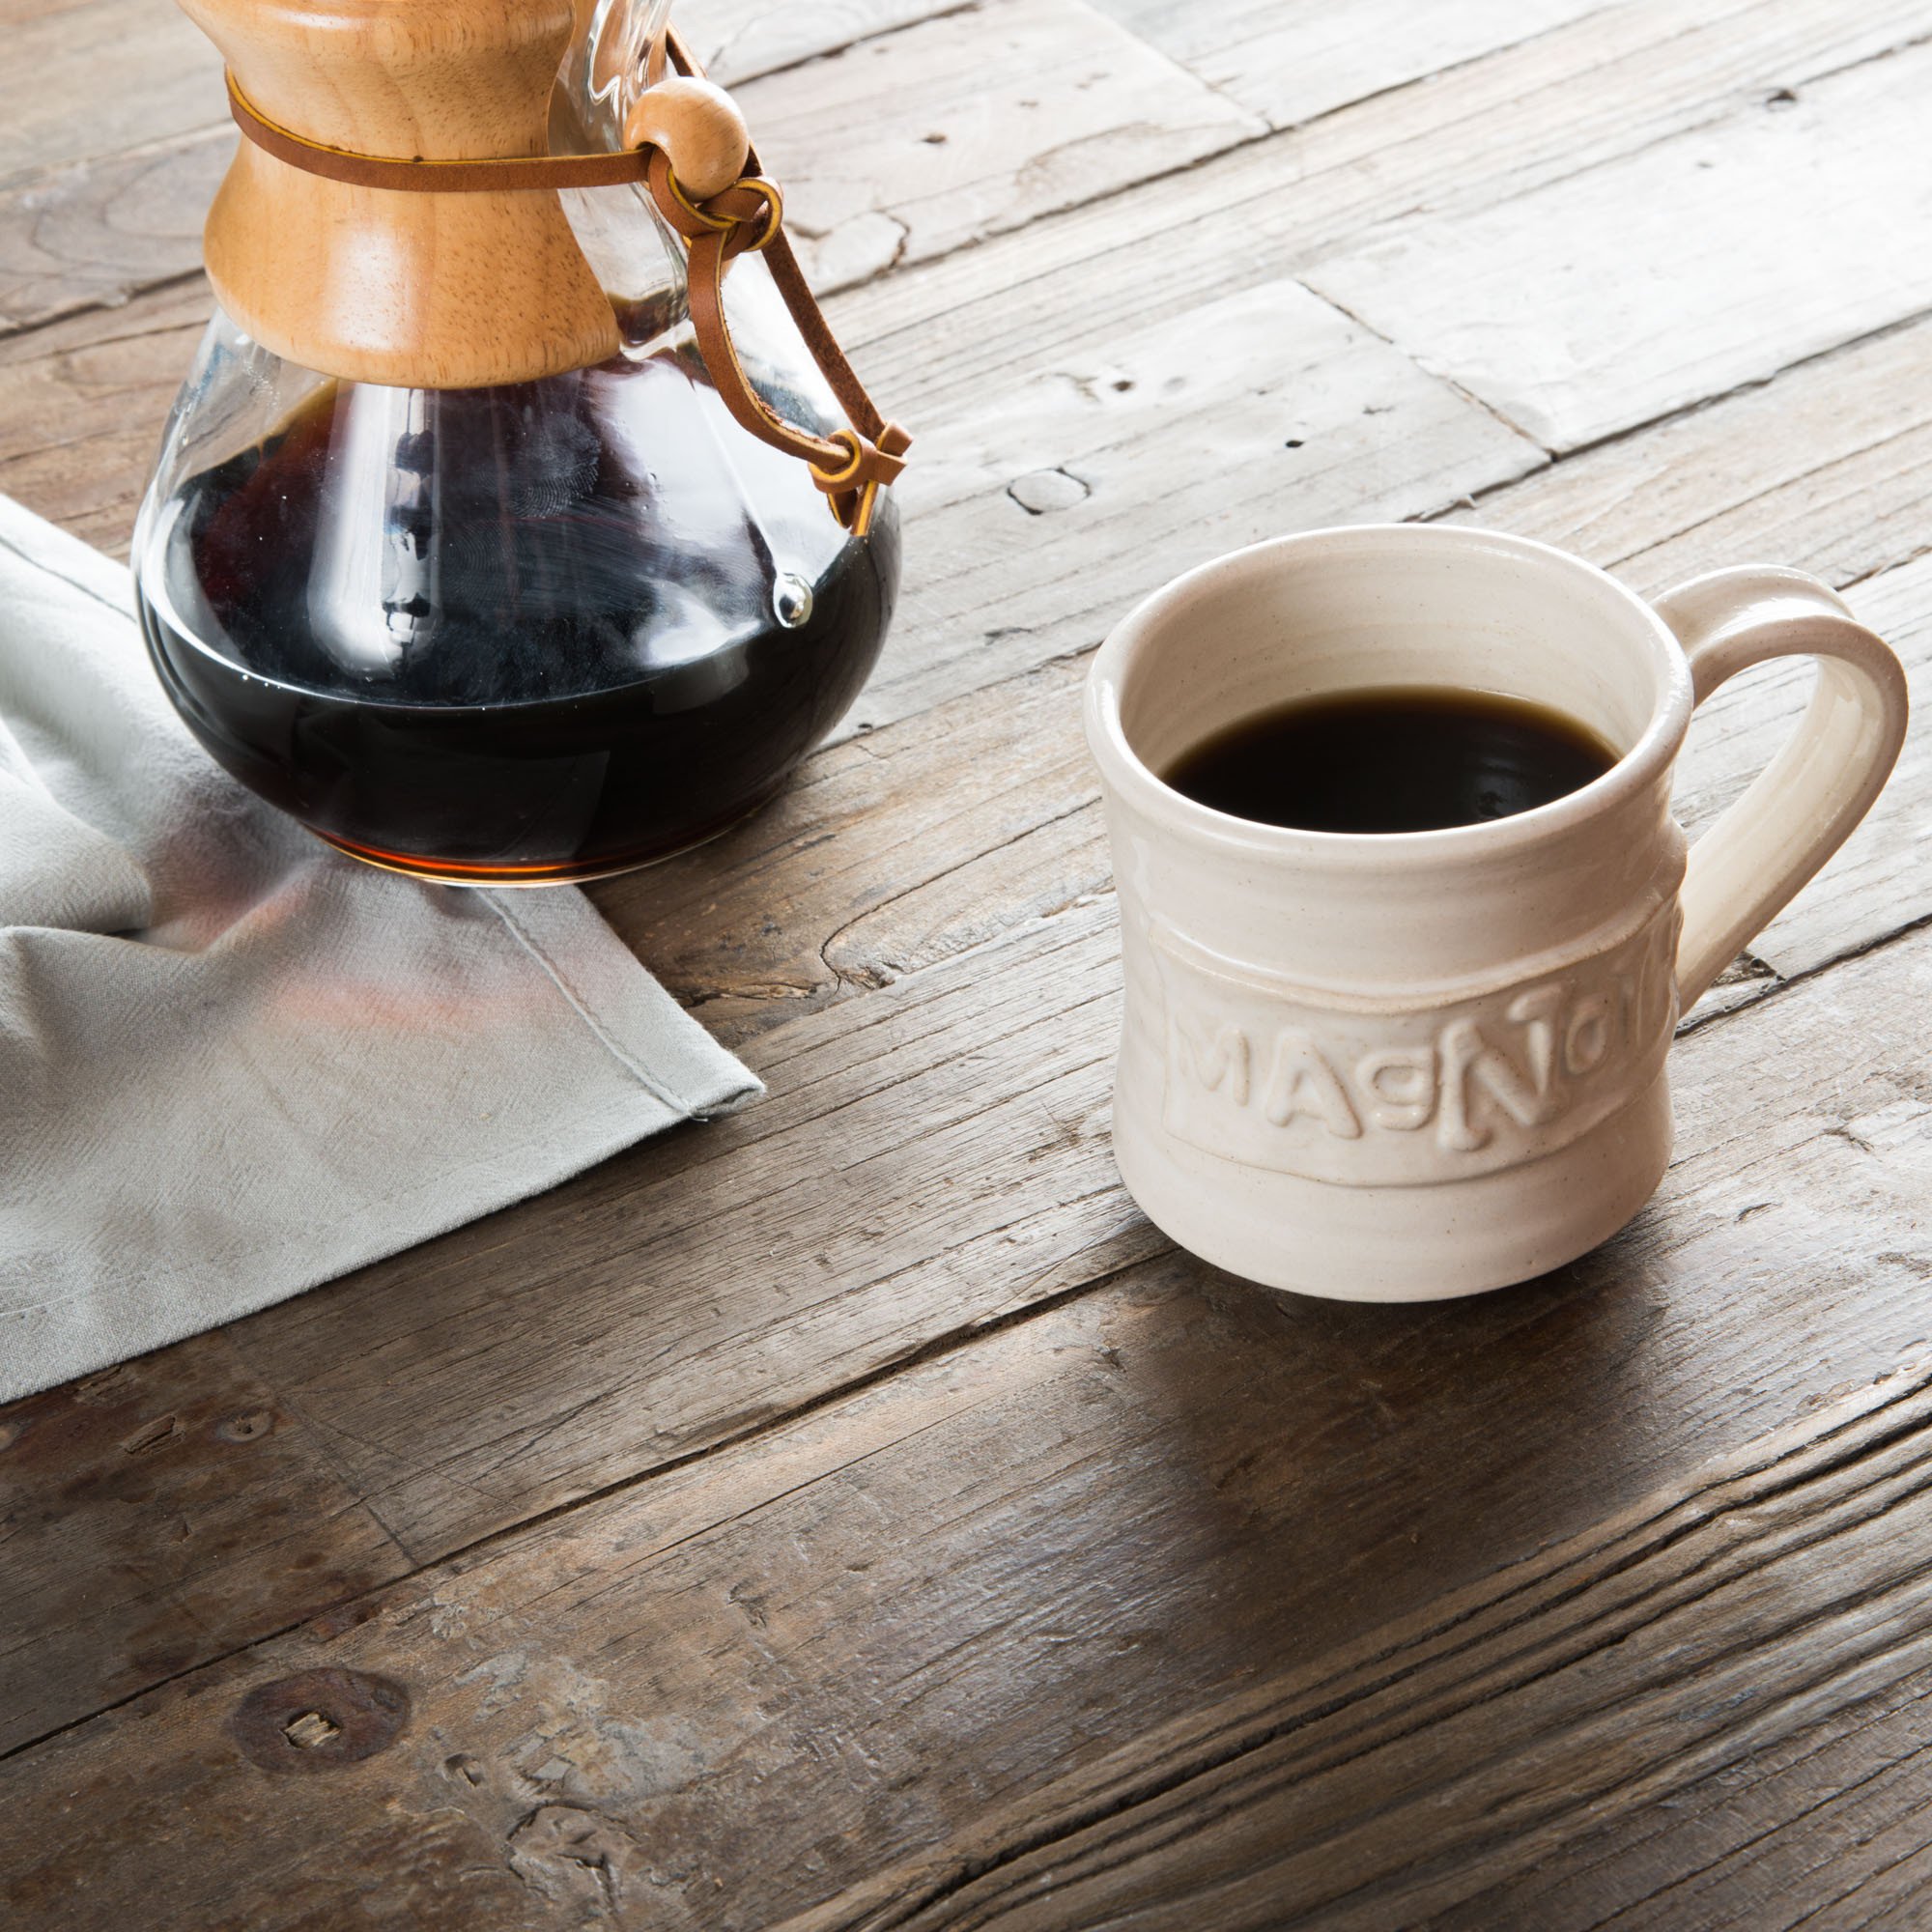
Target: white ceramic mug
column 1405, row 1067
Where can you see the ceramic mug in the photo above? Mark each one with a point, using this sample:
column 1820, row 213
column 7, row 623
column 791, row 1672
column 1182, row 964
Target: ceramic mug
column 1405, row 1067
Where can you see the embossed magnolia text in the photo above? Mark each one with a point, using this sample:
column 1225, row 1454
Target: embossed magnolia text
column 1274, row 1081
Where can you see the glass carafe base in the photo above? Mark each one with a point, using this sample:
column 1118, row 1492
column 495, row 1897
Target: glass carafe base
column 437, row 873
column 543, row 633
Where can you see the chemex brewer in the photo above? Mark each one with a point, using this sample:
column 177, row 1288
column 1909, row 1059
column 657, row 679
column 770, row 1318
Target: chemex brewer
column 1403, row 1064
column 519, row 520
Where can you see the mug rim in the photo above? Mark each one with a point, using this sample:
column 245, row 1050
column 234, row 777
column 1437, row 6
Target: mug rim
column 1122, row 767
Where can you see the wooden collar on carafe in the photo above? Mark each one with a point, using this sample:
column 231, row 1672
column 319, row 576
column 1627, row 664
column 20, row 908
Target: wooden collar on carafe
column 739, row 211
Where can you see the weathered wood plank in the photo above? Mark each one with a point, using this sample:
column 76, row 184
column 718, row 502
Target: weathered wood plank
column 704, row 1285
column 952, row 879
column 146, row 1507
column 737, row 41
column 1121, row 451
column 1825, row 1829
column 93, row 234
column 919, row 865
column 1054, row 505
column 897, row 852
column 1725, row 1688
column 1624, row 291
column 717, row 1294
column 94, row 77
column 920, row 163
column 1830, row 464
column 1291, row 61
column 1762, row 461
column 1611, row 85
column 927, row 1162
column 755, row 1681
column 1830, row 467
column 913, row 145
column 1618, row 79
column 84, row 401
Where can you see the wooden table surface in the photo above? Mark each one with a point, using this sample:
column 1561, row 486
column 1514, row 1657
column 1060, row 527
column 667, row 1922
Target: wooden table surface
column 853, row 1513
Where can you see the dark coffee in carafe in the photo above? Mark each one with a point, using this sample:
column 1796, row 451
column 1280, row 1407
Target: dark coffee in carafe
column 514, row 634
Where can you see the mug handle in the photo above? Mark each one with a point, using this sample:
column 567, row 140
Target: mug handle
column 1803, row 804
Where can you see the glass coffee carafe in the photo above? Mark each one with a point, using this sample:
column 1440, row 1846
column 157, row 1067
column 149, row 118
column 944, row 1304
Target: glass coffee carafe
column 461, row 547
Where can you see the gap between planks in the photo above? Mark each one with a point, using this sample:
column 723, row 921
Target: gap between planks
column 1612, row 31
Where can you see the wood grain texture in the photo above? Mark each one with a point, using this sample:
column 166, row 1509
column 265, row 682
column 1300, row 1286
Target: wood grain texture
column 708, row 1284
column 148, row 1506
column 1291, row 61
column 1708, row 1710
column 84, row 401
column 872, row 870
column 1698, row 264
column 1830, row 464
column 94, row 77
column 117, row 204
column 1137, row 452
column 737, row 41
column 1818, row 469
column 918, row 143
column 957, row 127
column 897, row 853
column 99, row 230
column 93, row 234
column 1616, row 82
column 907, row 1486
column 908, row 1617
column 1063, row 498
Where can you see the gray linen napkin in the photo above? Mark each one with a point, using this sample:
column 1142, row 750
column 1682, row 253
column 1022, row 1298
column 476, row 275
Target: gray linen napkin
column 234, row 1064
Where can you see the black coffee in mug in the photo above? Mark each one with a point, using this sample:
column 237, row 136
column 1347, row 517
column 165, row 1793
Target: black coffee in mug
column 1400, row 758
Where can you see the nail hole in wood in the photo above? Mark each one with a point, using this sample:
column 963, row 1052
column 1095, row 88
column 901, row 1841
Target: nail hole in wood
column 319, row 1720
column 1041, row 490
column 160, row 1428
column 310, row 1729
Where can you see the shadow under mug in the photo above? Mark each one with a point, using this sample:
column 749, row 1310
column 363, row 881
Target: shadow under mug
column 1405, row 1066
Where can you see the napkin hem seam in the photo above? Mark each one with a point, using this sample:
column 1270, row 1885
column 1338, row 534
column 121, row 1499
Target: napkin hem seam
column 47, row 568
column 599, row 1031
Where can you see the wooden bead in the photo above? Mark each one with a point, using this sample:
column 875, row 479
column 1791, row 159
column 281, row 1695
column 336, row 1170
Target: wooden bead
column 699, row 129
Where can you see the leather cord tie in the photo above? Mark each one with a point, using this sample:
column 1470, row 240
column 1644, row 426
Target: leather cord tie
column 850, row 465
